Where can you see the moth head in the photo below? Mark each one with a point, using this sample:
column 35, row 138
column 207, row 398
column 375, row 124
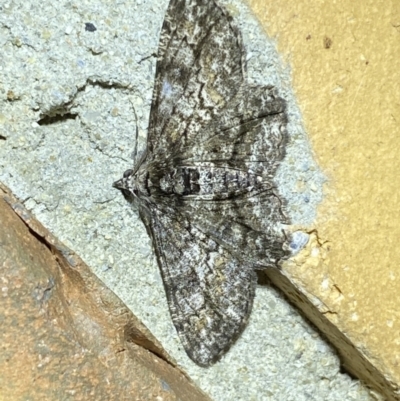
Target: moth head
column 125, row 184
column 134, row 183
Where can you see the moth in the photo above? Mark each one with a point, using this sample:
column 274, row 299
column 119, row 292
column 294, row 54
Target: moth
column 204, row 186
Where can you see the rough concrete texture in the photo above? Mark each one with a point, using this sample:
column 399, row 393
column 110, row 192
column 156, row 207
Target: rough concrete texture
column 71, row 99
column 64, row 335
column 344, row 60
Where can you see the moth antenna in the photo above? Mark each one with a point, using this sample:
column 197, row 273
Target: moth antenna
column 135, row 150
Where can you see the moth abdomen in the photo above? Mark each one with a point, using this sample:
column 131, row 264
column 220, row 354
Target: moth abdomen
column 209, row 181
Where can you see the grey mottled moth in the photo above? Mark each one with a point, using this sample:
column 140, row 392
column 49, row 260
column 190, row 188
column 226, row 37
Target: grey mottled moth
column 204, row 186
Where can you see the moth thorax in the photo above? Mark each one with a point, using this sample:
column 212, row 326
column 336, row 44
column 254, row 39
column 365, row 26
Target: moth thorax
column 140, row 184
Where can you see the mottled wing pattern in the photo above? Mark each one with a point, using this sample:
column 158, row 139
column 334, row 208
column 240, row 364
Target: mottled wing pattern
column 248, row 226
column 204, row 117
column 199, row 70
column 210, row 291
column 249, row 135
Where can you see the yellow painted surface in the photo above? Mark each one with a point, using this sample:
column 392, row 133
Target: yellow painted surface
column 345, row 62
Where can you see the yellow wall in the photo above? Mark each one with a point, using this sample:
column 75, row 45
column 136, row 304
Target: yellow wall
column 345, row 61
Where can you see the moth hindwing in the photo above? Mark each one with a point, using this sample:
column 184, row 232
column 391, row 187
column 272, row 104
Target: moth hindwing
column 204, row 187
